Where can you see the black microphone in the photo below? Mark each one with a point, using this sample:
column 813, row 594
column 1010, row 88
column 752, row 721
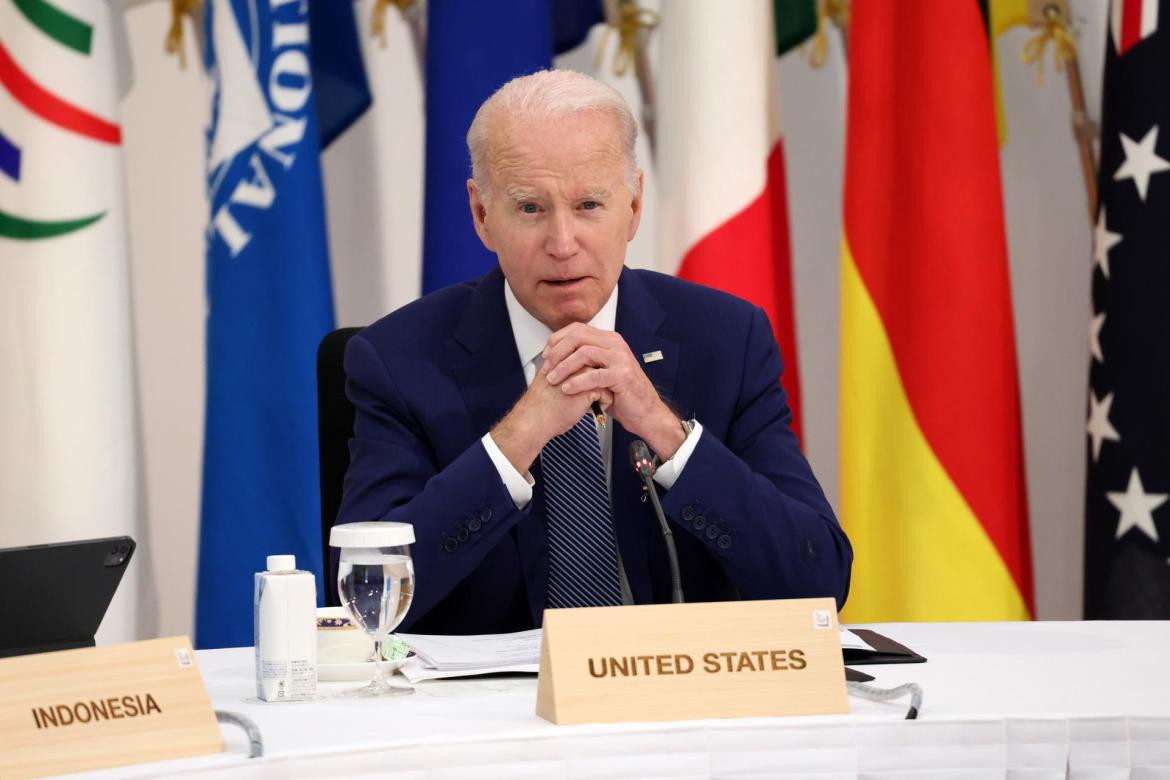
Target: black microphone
column 643, row 463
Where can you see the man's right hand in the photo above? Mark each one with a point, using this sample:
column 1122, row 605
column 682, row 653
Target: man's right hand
column 544, row 411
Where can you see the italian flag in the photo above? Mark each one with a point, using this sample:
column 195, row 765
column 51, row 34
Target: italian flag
column 69, row 443
column 723, row 213
column 932, row 467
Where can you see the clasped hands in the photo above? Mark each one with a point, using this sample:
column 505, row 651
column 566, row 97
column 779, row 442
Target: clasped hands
column 583, row 364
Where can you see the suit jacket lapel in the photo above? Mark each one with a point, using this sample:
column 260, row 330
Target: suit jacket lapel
column 489, row 375
column 491, row 379
column 639, row 318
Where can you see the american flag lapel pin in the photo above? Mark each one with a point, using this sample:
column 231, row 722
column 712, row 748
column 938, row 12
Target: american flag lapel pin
column 652, row 357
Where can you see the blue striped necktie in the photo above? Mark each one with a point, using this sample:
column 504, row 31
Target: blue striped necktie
column 582, row 550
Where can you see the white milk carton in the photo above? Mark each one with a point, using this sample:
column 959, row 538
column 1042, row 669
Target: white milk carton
column 285, row 620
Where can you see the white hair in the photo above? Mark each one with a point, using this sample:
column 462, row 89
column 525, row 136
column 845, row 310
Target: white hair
column 544, row 95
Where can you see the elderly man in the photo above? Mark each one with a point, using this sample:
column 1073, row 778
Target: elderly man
column 474, row 403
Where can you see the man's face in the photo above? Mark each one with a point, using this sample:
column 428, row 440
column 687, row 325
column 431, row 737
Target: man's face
column 560, row 214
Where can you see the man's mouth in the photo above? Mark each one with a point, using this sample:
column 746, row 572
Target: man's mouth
column 564, row 282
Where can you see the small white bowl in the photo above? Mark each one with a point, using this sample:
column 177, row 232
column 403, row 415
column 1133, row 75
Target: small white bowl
column 340, row 641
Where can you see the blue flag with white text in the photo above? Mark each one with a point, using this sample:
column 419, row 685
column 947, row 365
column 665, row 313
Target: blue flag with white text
column 473, row 48
column 269, row 305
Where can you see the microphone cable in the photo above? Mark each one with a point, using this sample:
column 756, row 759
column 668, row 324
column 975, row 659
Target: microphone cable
column 643, row 463
column 873, row 693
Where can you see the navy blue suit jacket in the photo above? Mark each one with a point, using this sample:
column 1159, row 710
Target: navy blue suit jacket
column 428, row 380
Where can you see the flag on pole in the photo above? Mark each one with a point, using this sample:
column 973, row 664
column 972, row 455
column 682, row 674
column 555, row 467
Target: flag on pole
column 932, row 470
column 723, row 211
column 340, row 88
column 473, row 49
column 1127, row 496
column 1003, row 15
column 795, row 21
column 269, row 305
column 69, row 460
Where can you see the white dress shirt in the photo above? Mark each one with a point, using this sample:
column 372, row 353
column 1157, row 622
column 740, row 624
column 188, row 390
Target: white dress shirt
column 531, row 336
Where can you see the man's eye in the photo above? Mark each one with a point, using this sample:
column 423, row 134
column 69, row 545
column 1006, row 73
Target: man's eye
column 589, row 205
column 529, row 208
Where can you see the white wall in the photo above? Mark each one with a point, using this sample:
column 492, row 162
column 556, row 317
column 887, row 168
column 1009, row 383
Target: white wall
column 373, row 178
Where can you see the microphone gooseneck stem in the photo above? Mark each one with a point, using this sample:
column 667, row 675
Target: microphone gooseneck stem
column 676, row 593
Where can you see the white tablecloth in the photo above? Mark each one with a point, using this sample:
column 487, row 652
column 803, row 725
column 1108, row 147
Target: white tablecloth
column 1021, row 700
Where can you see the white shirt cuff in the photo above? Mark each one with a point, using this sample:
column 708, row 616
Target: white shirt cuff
column 519, row 485
column 669, row 471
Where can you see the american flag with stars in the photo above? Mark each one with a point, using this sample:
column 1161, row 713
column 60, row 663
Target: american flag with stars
column 1127, row 501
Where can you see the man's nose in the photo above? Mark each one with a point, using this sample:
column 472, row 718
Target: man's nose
column 561, row 241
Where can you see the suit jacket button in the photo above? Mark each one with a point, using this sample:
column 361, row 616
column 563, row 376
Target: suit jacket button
column 485, row 515
column 724, row 542
column 699, row 522
column 688, row 513
column 462, row 534
column 474, row 524
column 450, row 545
column 712, row 531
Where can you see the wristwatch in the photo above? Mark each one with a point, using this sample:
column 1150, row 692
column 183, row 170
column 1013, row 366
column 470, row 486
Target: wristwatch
column 688, row 427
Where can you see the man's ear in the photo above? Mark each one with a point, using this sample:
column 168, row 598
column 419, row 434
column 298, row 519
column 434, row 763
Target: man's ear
column 479, row 214
column 635, row 206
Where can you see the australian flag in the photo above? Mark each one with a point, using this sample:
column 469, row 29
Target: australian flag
column 1127, row 502
column 269, row 305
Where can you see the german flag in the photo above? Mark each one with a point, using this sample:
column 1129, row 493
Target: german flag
column 932, row 472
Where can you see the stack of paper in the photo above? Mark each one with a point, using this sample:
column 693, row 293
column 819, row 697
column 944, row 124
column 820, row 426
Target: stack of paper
column 462, row 656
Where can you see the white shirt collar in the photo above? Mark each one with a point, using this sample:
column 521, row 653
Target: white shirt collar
column 531, row 334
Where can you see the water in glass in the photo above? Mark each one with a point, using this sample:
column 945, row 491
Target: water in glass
column 376, row 585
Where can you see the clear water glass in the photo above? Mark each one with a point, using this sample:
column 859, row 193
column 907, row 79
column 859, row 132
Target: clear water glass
column 376, row 586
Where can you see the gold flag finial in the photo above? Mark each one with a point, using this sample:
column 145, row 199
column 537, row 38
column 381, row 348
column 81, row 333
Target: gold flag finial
column 174, row 40
column 1054, row 29
column 631, row 21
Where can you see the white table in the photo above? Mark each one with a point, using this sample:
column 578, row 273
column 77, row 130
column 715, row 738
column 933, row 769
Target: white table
column 1027, row 700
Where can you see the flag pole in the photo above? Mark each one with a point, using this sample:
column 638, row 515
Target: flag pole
column 838, row 12
column 1085, row 130
column 1053, row 21
column 633, row 25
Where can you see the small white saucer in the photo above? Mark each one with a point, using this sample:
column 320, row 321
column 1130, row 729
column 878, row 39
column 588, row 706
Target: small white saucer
column 353, row 672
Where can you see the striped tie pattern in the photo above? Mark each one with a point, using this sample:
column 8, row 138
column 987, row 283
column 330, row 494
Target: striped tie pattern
column 582, row 566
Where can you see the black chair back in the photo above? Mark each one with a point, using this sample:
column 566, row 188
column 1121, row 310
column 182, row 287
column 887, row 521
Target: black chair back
column 335, row 416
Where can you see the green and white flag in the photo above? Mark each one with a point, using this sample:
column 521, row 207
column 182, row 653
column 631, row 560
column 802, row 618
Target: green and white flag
column 69, row 460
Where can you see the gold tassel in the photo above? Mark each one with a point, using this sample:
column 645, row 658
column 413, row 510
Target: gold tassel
column 378, row 18
column 838, row 12
column 1064, row 48
column 631, row 22
column 835, row 11
column 174, row 41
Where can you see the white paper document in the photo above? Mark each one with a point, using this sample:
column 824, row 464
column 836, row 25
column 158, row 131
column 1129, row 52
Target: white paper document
column 416, row 670
column 460, row 656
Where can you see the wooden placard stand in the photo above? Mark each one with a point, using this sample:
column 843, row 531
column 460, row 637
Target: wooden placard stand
column 97, row 707
column 682, row 661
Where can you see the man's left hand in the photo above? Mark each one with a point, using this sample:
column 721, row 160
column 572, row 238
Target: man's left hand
column 580, row 357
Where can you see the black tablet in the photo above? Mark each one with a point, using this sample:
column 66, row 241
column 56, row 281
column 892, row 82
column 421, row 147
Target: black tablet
column 54, row 596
